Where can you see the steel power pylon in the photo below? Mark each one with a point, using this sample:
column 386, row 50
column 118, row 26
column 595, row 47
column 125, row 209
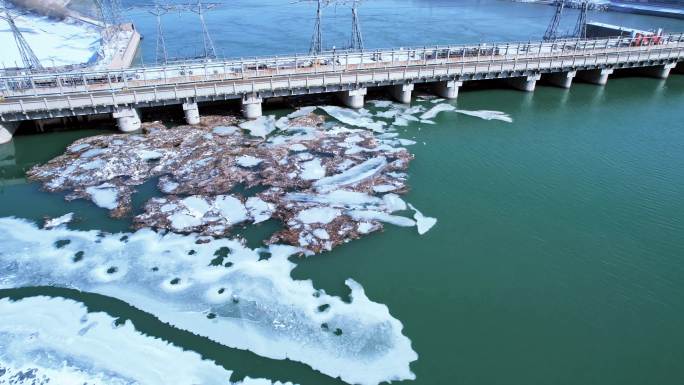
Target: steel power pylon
column 317, row 37
column 581, row 26
column 209, row 49
column 161, row 55
column 552, row 30
column 28, row 57
column 356, row 37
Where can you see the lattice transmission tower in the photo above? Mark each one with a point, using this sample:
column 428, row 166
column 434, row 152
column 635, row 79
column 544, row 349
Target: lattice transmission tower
column 199, row 9
column 357, row 36
column 552, row 30
column 161, row 55
column 581, row 26
column 28, row 57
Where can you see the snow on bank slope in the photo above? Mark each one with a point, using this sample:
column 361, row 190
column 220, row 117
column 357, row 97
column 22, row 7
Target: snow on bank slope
column 55, row 43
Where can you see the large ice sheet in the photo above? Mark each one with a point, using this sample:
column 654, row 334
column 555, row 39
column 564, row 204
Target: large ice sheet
column 56, row 341
column 216, row 288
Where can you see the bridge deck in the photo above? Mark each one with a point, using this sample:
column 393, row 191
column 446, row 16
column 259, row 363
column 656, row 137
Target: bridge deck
column 64, row 94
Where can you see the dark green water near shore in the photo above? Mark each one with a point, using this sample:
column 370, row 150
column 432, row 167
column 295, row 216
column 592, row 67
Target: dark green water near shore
column 557, row 257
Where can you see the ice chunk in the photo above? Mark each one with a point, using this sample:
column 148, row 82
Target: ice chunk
column 434, row 111
column 259, row 210
column 297, row 147
column 104, row 195
column 321, row 234
column 59, row 221
column 368, row 215
column 57, row 341
column 424, row 223
column 149, row 154
column 224, row 130
column 93, row 152
column 312, row 170
column 318, row 215
column 231, row 209
column 261, row 126
column 488, row 115
column 353, row 118
column 248, row 161
column 394, row 202
column 352, row 175
column 382, row 188
column 304, row 111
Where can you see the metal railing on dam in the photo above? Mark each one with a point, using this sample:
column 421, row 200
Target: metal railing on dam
column 47, row 95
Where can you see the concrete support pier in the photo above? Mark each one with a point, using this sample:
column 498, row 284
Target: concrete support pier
column 354, row 98
column 679, row 68
column 191, row 111
column 562, row 79
column 402, row 93
column 525, row 83
column 448, row 89
column 127, row 119
column 597, row 76
column 7, row 130
column 251, row 106
column 661, row 71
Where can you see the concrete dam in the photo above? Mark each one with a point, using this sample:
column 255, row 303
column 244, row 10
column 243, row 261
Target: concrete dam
column 122, row 93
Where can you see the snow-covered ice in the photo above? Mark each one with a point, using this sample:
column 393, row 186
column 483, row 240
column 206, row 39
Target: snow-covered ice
column 56, row 341
column 240, row 300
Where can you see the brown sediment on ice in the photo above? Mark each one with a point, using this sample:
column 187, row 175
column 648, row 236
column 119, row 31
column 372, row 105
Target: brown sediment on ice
column 327, row 183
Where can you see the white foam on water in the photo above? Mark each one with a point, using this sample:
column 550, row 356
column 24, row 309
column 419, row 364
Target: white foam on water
column 254, row 304
column 424, row 223
column 56, row 341
column 488, row 115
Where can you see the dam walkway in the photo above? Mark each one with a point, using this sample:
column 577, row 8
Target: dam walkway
column 122, row 93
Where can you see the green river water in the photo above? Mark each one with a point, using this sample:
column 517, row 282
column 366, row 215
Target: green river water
column 557, row 257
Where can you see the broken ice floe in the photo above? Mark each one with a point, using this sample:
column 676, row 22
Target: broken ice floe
column 59, row 221
column 310, row 159
column 216, row 288
column 56, row 341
